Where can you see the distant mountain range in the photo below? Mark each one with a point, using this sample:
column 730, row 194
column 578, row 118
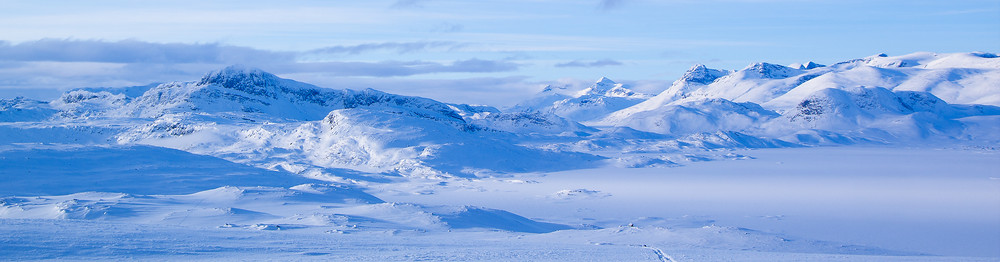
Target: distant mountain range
column 253, row 117
column 878, row 98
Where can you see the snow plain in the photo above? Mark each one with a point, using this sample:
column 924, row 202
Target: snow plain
column 777, row 206
column 920, row 200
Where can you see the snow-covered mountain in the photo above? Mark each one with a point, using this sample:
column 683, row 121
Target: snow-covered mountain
column 693, row 116
column 694, row 78
column 19, row 109
column 254, row 117
column 519, row 122
column 253, row 93
column 591, row 103
column 877, row 98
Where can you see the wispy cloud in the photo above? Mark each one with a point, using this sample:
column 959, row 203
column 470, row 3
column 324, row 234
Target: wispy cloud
column 408, row 3
column 44, row 80
column 131, row 51
column 62, row 64
column 398, row 47
column 967, row 11
column 446, row 27
column 610, row 4
column 598, row 63
column 397, row 68
column 496, row 91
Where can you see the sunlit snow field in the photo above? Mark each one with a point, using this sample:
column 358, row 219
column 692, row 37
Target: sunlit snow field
column 902, row 202
column 941, row 201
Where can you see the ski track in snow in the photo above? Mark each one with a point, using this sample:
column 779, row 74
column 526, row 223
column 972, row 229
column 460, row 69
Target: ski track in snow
column 663, row 257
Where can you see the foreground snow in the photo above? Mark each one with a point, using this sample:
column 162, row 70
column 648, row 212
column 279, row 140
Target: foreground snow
column 923, row 200
column 96, row 240
column 774, row 204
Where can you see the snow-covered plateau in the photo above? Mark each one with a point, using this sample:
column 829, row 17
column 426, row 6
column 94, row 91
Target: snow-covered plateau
column 883, row 158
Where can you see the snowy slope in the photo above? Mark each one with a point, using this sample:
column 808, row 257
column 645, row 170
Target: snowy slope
column 880, row 114
column 254, row 93
column 591, row 103
column 878, row 98
column 526, row 122
column 756, row 83
column 306, row 206
column 153, row 185
column 550, row 94
column 30, row 170
column 692, row 116
column 961, row 78
column 958, row 78
column 20, row 109
column 254, row 117
column 695, row 78
column 381, row 141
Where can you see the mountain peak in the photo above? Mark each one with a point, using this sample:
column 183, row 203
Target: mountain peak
column 621, row 91
column 762, row 66
column 600, row 87
column 701, row 74
column 236, row 76
column 768, row 70
column 810, row 65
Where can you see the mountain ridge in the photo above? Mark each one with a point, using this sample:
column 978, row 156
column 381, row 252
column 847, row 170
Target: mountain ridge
column 250, row 116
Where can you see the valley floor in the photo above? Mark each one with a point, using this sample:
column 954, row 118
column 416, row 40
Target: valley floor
column 922, row 200
column 794, row 204
column 40, row 239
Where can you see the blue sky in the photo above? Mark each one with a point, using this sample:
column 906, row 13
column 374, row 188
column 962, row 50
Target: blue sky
column 487, row 52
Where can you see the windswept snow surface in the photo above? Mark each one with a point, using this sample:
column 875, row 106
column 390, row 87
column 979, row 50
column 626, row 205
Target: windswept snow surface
column 908, row 200
column 35, row 170
column 776, row 207
column 884, row 158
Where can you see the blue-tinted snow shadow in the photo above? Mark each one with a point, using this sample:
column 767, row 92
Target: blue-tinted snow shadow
column 144, row 170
